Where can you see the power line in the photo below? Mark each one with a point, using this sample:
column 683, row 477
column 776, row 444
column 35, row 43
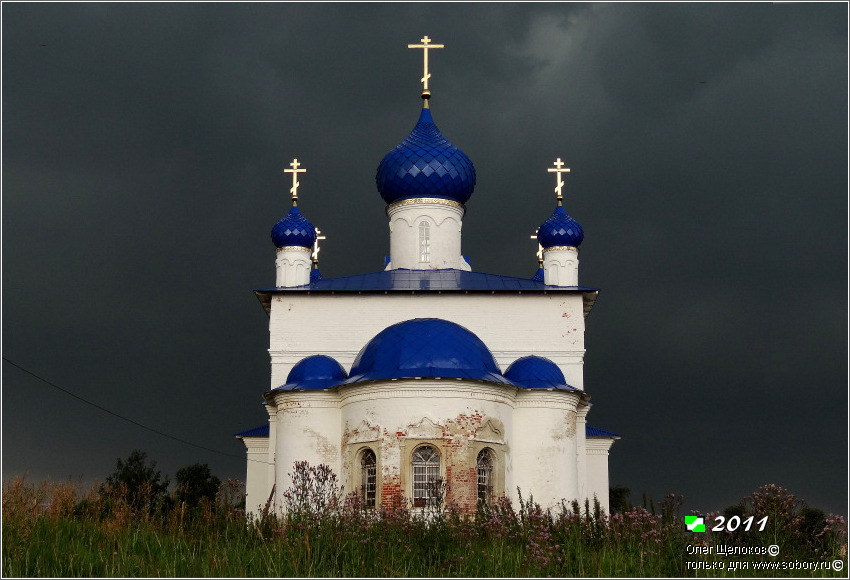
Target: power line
column 122, row 417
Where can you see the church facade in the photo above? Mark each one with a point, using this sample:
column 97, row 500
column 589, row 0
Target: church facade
column 427, row 378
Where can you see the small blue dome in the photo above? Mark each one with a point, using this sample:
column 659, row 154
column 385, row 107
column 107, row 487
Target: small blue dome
column 537, row 372
column 294, row 230
column 425, row 164
column 314, row 372
column 560, row 230
column 425, row 347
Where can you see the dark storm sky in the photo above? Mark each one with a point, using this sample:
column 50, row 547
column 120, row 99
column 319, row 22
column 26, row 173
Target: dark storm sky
column 143, row 149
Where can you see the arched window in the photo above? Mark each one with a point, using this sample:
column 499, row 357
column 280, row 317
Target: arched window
column 424, row 242
column 426, row 473
column 484, row 469
column 368, row 478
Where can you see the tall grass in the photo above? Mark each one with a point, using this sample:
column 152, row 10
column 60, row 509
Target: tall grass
column 60, row 529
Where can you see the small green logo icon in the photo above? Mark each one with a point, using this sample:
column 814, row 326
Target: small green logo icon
column 695, row 524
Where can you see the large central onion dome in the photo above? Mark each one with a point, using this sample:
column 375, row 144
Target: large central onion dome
column 560, row 230
column 294, row 230
column 425, row 164
column 425, row 347
column 314, row 372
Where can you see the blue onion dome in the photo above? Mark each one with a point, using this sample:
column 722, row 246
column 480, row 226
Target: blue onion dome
column 425, row 164
column 294, row 230
column 537, row 372
column 560, row 230
column 425, row 347
column 314, row 372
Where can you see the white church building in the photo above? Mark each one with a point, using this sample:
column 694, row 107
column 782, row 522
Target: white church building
column 428, row 371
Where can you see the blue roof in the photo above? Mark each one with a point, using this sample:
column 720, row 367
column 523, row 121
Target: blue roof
column 425, row 280
column 539, row 276
column 597, row 432
column 294, row 230
column 425, row 164
column 560, row 230
column 537, row 372
column 261, row 431
column 425, row 347
column 314, row 372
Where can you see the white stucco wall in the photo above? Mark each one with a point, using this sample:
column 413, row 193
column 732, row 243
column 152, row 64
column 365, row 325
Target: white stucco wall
column 533, row 432
column 292, row 266
column 560, row 266
column 270, row 457
column 256, row 478
column 581, row 449
column 545, row 449
column 307, row 429
column 511, row 325
column 597, row 469
column 444, row 221
column 544, row 446
column 410, row 411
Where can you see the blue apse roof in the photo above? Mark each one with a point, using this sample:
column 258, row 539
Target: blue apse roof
column 261, row 431
column 597, row 432
column 560, row 230
column 425, row 347
column 294, row 230
column 425, row 164
column 537, row 372
column 314, row 372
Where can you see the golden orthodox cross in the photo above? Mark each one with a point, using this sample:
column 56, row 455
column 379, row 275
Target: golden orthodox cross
column 539, row 247
column 294, row 171
column 559, row 169
column 426, row 44
column 316, row 247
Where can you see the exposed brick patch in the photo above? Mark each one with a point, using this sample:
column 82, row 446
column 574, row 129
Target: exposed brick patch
column 392, row 496
column 461, row 474
column 289, row 407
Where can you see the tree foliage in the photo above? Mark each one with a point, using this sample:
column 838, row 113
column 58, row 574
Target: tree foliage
column 137, row 480
column 195, row 482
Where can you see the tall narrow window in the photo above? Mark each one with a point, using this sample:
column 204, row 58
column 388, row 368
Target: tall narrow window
column 368, row 478
column 426, row 472
column 424, row 242
column 484, row 468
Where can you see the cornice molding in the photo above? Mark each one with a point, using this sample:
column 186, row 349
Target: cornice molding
column 427, row 388
column 304, row 249
column 419, row 201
